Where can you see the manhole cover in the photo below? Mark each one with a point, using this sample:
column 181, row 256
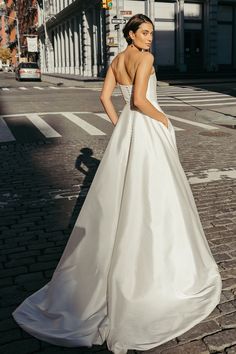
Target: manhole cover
column 215, row 133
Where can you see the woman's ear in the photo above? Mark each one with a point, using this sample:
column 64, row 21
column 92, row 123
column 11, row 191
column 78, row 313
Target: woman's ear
column 131, row 34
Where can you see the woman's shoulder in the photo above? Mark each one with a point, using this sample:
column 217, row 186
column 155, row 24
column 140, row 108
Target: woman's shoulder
column 116, row 58
column 144, row 56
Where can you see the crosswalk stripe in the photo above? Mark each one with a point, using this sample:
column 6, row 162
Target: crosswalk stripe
column 216, row 104
column 177, row 128
column 54, row 88
column 38, row 88
column 103, row 116
column 5, row 133
column 49, row 132
column 202, row 125
column 89, row 128
column 201, row 96
column 213, row 99
column 22, row 88
column 169, row 99
column 173, row 105
column 43, row 127
column 5, row 89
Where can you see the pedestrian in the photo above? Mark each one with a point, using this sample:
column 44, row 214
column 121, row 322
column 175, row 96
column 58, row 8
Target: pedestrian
column 137, row 270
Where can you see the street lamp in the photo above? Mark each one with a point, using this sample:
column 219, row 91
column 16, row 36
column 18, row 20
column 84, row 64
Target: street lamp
column 17, row 28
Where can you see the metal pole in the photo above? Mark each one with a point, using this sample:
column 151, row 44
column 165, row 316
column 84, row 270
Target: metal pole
column 119, row 8
column 18, row 38
column 152, row 10
column 118, row 31
column 46, row 36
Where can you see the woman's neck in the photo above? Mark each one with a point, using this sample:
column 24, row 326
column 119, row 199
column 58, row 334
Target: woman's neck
column 139, row 48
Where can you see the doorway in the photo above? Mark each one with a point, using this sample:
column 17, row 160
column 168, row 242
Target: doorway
column 193, row 50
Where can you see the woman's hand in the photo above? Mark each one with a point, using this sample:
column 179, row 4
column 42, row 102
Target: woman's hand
column 165, row 121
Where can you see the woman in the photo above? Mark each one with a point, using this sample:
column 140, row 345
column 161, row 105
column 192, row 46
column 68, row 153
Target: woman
column 137, row 270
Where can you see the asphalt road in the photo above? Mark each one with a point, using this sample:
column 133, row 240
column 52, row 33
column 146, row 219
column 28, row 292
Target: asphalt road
column 21, row 97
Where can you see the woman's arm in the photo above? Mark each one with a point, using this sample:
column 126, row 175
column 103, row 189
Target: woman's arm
column 140, row 88
column 105, row 97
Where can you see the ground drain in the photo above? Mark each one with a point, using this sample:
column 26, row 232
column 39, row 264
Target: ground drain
column 215, row 133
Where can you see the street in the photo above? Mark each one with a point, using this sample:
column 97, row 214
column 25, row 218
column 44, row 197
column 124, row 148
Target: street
column 46, row 130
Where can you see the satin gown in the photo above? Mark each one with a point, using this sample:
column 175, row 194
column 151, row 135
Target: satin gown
column 137, row 270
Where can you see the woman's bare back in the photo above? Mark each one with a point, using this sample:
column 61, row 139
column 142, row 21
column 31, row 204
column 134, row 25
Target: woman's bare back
column 124, row 66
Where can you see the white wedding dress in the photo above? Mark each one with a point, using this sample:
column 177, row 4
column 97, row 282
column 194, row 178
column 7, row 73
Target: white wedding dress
column 137, row 270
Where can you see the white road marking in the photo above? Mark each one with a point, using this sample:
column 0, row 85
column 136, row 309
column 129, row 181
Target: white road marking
column 49, row 132
column 213, row 99
column 211, row 175
column 198, row 96
column 201, row 125
column 215, row 104
column 166, row 99
column 22, row 88
column 38, row 88
column 5, row 89
column 39, row 113
column 42, row 126
column 177, row 128
column 103, row 116
column 173, row 105
column 54, row 88
column 89, row 128
column 5, row 133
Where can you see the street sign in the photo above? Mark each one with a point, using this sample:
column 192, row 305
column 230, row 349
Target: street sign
column 117, row 21
column 117, row 27
column 111, row 41
column 125, row 12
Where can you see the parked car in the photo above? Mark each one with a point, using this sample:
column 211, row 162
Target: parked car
column 5, row 67
column 28, row 71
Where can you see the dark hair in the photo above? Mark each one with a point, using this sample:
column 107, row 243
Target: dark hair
column 133, row 25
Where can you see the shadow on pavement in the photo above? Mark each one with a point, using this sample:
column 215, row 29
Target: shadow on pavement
column 85, row 159
column 34, row 226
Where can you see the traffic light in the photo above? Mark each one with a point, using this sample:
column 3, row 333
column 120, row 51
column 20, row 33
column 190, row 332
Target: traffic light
column 106, row 4
column 109, row 4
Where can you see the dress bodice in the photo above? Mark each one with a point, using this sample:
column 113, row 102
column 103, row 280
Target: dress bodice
column 127, row 90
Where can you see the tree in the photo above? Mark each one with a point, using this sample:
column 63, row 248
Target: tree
column 5, row 54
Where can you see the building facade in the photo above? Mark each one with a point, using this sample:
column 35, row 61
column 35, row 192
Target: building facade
column 79, row 37
column 72, row 37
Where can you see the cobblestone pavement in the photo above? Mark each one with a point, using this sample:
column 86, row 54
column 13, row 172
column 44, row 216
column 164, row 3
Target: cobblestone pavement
column 41, row 193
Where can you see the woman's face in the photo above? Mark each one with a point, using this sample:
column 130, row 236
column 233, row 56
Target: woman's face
column 143, row 37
